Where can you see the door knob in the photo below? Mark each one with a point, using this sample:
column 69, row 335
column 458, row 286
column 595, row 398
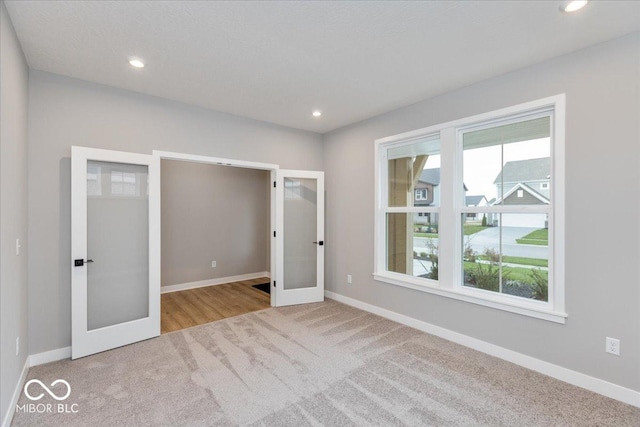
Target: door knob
column 321, row 242
column 80, row 262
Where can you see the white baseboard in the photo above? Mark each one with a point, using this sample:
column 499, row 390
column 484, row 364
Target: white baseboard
column 590, row 383
column 50, row 356
column 212, row 282
column 16, row 395
column 33, row 360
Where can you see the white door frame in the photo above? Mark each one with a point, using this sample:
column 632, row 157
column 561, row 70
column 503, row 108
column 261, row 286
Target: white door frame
column 85, row 342
column 88, row 342
column 168, row 155
column 285, row 296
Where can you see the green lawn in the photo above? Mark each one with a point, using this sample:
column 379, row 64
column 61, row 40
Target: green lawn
column 536, row 262
column 415, row 234
column 469, row 229
column 537, row 237
column 520, row 274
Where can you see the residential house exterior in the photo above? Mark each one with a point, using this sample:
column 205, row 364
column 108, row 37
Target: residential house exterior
column 427, row 193
column 524, row 182
column 475, row 200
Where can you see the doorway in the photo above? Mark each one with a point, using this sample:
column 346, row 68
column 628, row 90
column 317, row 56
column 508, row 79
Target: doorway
column 292, row 219
column 216, row 235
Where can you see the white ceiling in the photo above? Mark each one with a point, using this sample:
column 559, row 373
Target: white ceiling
column 277, row 61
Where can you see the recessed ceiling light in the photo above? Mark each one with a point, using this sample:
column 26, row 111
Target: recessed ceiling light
column 317, row 113
column 135, row 62
column 572, row 6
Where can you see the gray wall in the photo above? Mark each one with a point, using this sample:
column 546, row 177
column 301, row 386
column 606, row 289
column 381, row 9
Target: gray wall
column 602, row 148
column 213, row 213
column 14, row 78
column 65, row 112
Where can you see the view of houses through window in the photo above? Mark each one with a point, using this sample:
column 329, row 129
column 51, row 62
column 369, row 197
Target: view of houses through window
column 498, row 238
column 508, row 168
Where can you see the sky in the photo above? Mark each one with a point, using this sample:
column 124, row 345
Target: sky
column 481, row 166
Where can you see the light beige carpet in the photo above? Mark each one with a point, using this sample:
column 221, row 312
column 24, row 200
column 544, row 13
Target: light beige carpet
column 319, row 364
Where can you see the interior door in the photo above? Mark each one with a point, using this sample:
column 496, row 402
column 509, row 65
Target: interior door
column 115, row 248
column 299, row 275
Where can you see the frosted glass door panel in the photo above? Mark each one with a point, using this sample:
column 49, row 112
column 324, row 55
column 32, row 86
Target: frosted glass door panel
column 118, row 243
column 300, row 233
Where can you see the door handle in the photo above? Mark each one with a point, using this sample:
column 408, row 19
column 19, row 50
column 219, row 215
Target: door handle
column 321, row 242
column 80, row 262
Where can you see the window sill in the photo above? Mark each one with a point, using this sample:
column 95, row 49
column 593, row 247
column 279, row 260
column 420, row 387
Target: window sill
column 528, row 308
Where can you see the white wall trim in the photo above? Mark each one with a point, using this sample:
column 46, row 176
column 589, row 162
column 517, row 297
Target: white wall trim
column 50, row 356
column 212, row 282
column 590, row 383
column 16, row 395
column 33, row 360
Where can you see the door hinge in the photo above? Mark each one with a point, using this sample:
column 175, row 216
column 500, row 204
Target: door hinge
column 274, row 283
column 274, row 233
column 274, row 184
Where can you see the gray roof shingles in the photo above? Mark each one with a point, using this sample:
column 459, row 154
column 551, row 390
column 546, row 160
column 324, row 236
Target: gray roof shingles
column 430, row 176
column 525, row 170
column 473, row 200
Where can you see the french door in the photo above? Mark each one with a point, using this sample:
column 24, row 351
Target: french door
column 115, row 248
column 299, row 236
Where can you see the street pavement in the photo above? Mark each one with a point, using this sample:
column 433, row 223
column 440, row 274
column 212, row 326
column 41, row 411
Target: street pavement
column 489, row 238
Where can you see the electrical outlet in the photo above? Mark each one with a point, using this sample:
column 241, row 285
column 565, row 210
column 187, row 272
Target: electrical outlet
column 18, row 246
column 613, row 346
column 349, row 279
column 213, row 264
column 17, row 345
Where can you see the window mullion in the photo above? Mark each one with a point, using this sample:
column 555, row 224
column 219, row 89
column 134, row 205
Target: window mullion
column 448, row 218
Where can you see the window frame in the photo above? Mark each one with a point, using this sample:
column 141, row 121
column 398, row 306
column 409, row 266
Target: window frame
column 452, row 207
column 409, row 210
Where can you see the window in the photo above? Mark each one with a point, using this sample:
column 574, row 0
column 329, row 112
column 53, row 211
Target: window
column 499, row 159
column 504, row 254
column 422, row 194
column 411, row 237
